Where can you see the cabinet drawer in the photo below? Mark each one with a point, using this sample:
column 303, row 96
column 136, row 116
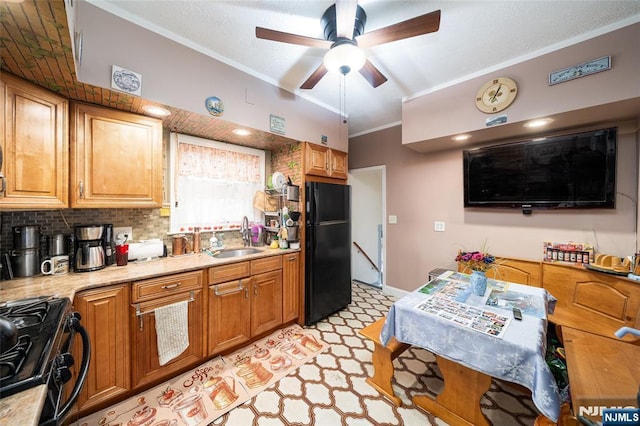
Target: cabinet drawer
column 224, row 273
column 266, row 264
column 163, row 286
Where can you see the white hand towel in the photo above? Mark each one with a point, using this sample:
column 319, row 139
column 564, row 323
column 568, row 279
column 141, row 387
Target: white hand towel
column 172, row 330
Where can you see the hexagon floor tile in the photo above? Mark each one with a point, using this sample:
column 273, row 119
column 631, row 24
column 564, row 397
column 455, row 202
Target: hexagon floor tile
column 331, row 389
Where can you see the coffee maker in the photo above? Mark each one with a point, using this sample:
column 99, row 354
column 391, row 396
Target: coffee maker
column 89, row 248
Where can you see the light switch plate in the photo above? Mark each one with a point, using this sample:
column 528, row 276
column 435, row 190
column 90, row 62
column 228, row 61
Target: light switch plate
column 438, row 226
column 393, row 218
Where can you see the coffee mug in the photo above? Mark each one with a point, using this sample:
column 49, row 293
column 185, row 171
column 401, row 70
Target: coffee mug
column 55, row 266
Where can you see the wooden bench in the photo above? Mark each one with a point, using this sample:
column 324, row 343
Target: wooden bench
column 383, row 357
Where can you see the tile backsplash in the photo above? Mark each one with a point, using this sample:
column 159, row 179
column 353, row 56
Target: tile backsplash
column 146, row 224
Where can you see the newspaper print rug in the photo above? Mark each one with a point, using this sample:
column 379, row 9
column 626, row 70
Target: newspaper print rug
column 207, row 392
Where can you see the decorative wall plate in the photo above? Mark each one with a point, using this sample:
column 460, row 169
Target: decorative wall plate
column 125, row 80
column 214, row 105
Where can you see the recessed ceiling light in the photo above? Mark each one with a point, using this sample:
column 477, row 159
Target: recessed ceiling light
column 241, row 132
column 156, row 110
column 540, row 122
column 463, row 137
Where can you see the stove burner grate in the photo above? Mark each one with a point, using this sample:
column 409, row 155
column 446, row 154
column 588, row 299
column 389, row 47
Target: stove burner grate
column 12, row 359
column 27, row 315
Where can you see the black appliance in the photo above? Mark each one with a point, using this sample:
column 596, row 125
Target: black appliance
column 43, row 331
column 567, row 171
column 109, row 245
column 328, row 250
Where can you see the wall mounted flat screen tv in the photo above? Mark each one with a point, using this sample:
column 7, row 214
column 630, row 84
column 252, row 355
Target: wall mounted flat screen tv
column 568, row 171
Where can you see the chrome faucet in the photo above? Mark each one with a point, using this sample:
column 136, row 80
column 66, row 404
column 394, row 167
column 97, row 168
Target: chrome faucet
column 246, row 233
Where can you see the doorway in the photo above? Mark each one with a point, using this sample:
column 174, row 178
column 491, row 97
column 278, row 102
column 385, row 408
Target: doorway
column 368, row 248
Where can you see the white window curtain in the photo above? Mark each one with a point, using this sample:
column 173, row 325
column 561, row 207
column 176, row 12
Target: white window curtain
column 213, row 183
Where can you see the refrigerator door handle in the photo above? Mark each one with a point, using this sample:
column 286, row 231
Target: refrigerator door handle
column 314, row 217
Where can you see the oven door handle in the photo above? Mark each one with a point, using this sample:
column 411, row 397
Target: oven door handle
column 84, row 369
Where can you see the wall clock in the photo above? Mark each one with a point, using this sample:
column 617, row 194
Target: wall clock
column 496, row 95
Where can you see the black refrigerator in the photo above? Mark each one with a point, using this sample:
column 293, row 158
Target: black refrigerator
column 328, row 250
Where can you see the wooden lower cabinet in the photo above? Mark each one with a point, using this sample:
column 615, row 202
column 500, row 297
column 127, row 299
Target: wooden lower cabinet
column 246, row 305
column 266, row 303
column 171, row 289
column 104, row 313
column 229, row 315
column 290, row 287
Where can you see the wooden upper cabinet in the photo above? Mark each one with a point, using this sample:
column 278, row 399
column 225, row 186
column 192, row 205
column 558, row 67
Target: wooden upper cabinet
column 116, row 158
column 338, row 161
column 35, row 146
column 322, row 161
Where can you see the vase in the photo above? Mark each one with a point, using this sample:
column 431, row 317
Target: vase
column 478, row 283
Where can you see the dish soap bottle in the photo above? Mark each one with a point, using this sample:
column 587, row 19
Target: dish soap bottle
column 274, row 242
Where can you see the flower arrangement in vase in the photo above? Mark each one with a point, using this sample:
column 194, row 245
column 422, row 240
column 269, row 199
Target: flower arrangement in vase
column 479, row 263
column 476, row 260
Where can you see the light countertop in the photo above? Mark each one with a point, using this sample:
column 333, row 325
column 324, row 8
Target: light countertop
column 68, row 284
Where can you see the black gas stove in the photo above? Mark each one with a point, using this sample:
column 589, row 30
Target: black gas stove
column 43, row 332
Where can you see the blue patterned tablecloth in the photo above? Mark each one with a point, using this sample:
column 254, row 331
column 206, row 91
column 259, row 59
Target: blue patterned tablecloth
column 519, row 356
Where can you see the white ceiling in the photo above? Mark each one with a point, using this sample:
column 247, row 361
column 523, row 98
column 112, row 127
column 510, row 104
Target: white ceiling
column 475, row 38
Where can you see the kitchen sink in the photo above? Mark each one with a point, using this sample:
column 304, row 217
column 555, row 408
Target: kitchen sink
column 236, row 252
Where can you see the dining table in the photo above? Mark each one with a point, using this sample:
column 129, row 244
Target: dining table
column 476, row 338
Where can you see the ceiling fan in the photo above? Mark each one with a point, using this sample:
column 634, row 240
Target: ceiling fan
column 343, row 29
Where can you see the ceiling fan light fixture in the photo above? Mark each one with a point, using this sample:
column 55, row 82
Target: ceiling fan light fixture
column 344, row 57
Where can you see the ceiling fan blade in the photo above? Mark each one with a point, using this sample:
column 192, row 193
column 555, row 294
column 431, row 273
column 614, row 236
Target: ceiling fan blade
column 345, row 17
column 314, row 78
column 267, row 34
column 372, row 74
column 419, row 25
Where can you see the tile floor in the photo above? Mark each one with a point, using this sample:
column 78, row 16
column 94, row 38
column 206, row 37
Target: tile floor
column 331, row 389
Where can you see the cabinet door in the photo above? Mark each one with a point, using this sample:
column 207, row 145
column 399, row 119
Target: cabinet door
column 116, row 158
column 35, row 144
column 290, row 286
column 229, row 315
column 338, row 161
column 266, row 306
column 146, row 365
column 104, row 313
column 316, row 160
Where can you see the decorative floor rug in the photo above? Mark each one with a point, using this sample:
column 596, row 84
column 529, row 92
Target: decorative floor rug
column 217, row 386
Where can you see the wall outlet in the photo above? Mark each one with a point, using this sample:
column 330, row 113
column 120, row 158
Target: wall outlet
column 125, row 230
column 438, row 226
